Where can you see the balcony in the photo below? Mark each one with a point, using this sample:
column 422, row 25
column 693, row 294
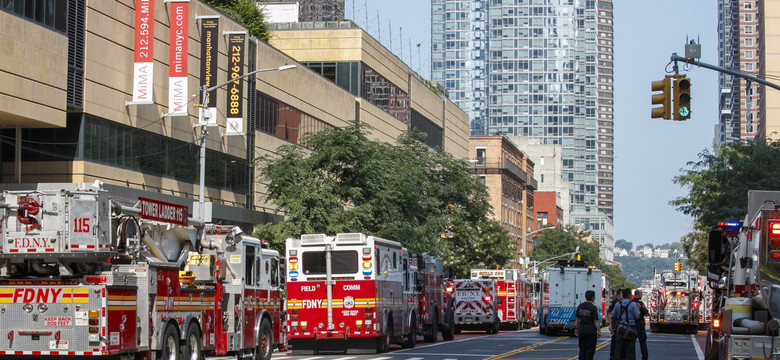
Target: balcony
column 481, row 165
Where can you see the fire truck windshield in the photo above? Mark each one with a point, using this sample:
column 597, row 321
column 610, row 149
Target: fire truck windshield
column 342, row 262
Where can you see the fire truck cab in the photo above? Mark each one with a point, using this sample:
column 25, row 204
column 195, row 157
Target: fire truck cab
column 349, row 293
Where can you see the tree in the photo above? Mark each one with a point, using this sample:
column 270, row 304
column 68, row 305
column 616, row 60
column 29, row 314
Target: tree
column 246, row 13
column 623, row 244
column 344, row 182
column 717, row 188
column 558, row 241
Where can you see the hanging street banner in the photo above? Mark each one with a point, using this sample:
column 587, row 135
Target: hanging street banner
column 177, row 61
column 235, row 93
column 209, row 50
column 143, row 54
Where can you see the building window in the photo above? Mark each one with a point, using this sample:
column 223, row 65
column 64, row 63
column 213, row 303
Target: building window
column 50, row 13
column 748, row 67
column 383, row 94
column 541, row 220
column 284, row 121
column 434, row 134
column 481, row 179
column 748, row 5
column 749, row 42
column 344, row 74
column 481, row 156
column 748, row 30
column 748, row 17
column 748, row 54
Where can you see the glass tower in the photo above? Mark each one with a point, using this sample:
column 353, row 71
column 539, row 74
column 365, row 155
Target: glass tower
column 540, row 69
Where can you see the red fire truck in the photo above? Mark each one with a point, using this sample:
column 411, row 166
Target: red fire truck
column 435, row 306
column 84, row 275
column 349, row 292
column 508, row 285
column 476, row 306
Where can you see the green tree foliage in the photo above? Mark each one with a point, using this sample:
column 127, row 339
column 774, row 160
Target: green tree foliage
column 246, row 13
column 559, row 241
column 637, row 269
column 404, row 192
column 718, row 184
column 623, row 244
column 695, row 245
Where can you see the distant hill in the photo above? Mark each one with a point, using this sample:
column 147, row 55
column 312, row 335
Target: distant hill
column 637, row 269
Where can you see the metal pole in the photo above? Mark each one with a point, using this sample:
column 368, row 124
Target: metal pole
column 203, row 122
column 676, row 58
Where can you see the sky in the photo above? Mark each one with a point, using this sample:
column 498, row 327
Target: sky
column 649, row 153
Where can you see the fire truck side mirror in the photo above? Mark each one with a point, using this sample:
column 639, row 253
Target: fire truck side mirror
column 715, row 247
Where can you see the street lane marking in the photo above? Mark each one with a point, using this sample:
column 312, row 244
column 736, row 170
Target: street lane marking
column 415, row 358
column 525, row 348
column 699, row 354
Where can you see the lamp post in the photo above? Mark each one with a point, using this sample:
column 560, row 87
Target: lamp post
column 531, row 233
column 576, row 251
column 203, row 120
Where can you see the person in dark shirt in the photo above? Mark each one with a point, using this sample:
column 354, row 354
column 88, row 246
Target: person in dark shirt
column 640, row 323
column 612, row 323
column 587, row 326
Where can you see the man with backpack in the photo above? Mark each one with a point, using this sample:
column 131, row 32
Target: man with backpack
column 625, row 313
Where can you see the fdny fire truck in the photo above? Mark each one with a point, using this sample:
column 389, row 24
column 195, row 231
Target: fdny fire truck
column 476, row 306
column 350, row 293
column 675, row 305
column 435, row 307
column 508, row 285
column 746, row 305
column 84, row 275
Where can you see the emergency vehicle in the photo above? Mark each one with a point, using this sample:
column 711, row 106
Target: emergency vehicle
column 747, row 305
column 563, row 289
column 476, row 306
column 676, row 302
column 507, row 285
column 84, row 275
column 606, row 298
column 705, row 303
column 525, row 301
column 435, row 307
column 350, row 292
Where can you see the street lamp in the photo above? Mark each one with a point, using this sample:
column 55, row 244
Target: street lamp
column 203, row 120
column 531, row 233
column 576, row 251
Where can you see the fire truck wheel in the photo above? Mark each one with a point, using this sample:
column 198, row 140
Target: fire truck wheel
column 411, row 337
column 433, row 332
column 170, row 344
column 191, row 349
column 448, row 333
column 383, row 342
column 264, row 342
column 711, row 350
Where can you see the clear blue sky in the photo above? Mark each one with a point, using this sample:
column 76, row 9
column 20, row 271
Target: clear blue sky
column 649, row 152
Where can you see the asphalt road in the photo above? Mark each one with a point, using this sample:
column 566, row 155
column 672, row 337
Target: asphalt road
column 525, row 344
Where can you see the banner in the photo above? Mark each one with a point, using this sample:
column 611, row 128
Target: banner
column 177, row 61
column 235, row 92
column 209, row 47
column 143, row 56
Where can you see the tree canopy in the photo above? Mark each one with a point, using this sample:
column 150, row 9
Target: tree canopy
column 718, row 184
column 246, row 13
column 623, row 244
column 341, row 181
column 559, row 241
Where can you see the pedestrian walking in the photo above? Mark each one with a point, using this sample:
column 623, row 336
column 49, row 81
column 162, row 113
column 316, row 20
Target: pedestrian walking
column 640, row 323
column 626, row 312
column 587, row 326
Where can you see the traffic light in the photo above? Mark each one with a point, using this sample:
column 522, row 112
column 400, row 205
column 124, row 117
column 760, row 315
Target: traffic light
column 682, row 97
column 664, row 98
column 677, row 266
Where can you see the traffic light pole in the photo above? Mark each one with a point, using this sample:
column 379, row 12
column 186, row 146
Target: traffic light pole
column 677, row 58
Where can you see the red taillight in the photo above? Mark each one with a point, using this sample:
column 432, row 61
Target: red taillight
column 95, row 279
column 292, row 260
column 774, row 229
